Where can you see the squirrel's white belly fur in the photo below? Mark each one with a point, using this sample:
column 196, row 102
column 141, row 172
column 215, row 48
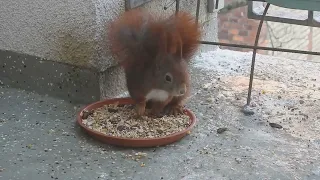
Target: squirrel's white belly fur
column 157, row 95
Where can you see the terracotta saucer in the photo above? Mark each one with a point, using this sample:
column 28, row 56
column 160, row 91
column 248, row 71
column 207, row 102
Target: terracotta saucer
column 132, row 142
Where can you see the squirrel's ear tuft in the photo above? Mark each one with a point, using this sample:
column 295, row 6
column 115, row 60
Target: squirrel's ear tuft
column 189, row 33
column 175, row 45
column 170, row 43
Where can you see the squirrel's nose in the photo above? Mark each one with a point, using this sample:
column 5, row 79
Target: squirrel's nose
column 182, row 91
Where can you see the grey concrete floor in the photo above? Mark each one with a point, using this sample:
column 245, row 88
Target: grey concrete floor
column 39, row 139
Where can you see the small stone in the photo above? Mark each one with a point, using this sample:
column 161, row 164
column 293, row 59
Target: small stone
column 253, row 104
column 210, row 100
column 247, row 110
column 279, row 97
column 221, row 97
column 221, row 130
column 275, row 125
column 51, row 131
column 207, row 86
column 47, row 150
column 238, row 160
column 301, row 101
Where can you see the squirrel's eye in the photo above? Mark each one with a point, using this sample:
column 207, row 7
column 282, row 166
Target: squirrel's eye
column 168, row 77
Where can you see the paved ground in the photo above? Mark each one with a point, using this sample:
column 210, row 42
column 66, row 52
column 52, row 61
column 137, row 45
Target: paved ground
column 39, row 139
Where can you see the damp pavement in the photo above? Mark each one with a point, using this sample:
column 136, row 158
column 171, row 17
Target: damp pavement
column 40, row 140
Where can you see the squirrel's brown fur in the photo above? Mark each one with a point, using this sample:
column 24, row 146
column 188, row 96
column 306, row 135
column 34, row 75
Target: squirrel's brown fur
column 151, row 49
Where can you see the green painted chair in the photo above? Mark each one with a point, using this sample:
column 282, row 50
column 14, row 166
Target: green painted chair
column 309, row 5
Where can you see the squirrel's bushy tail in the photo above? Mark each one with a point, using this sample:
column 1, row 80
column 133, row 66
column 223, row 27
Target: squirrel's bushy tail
column 126, row 35
column 137, row 37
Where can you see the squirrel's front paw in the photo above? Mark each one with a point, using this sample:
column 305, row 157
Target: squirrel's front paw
column 140, row 109
column 175, row 110
column 156, row 113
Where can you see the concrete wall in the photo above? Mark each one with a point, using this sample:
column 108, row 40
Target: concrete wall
column 60, row 30
column 67, row 30
column 74, row 33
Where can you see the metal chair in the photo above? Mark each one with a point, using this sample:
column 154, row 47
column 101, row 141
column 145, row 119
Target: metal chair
column 310, row 5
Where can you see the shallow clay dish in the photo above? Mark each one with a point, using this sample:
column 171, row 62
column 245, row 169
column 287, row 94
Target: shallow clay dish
column 132, row 142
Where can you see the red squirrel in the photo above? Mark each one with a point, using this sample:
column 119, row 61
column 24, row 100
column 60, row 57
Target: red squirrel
column 154, row 53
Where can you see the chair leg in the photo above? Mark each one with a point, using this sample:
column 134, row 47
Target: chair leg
column 246, row 109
